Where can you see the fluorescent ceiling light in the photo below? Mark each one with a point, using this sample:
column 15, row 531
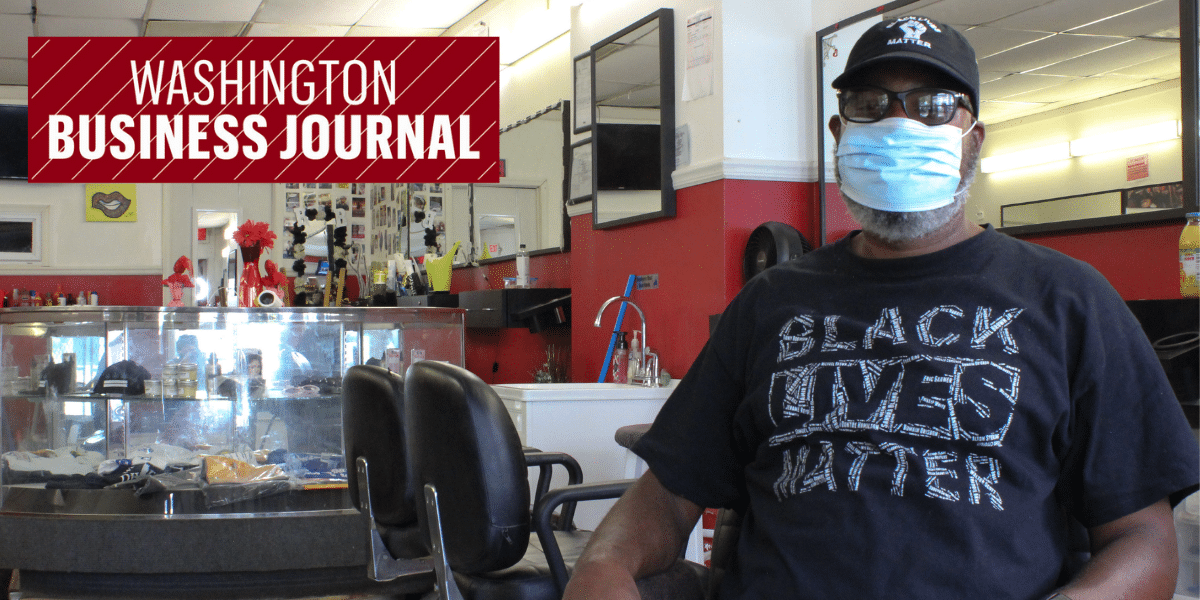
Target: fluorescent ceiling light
column 1025, row 158
column 1125, row 138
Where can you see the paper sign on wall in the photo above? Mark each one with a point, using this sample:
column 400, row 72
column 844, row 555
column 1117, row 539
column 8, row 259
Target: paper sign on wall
column 1137, row 167
column 698, row 77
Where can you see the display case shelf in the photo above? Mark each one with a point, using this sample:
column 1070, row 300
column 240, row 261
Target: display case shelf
column 161, row 426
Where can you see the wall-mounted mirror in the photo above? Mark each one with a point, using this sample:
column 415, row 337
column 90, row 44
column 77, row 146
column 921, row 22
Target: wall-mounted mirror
column 527, row 205
column 633, row 122
column 1054, row 74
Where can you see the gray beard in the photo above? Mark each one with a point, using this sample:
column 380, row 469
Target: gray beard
column 896, row 227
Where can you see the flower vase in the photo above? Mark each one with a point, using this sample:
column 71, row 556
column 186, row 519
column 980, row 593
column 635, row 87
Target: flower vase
column 250, row 283
column 176, row 293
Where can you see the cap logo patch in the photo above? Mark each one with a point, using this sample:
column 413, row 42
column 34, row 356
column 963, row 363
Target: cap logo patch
column 913, row 28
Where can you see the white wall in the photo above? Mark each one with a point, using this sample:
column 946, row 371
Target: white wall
column 177, row 223
column 760, row 122
column 72, row 245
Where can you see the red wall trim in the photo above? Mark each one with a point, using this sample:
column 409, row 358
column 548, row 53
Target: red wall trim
column 1142, row 262
column 113, row 290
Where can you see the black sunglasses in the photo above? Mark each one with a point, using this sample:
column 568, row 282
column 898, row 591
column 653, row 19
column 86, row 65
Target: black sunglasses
column 931, row 106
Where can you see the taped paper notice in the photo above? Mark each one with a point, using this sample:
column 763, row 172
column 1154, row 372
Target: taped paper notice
column 698, row 77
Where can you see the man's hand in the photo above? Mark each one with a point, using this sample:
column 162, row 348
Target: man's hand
column 1133, row 558
column 642, row 534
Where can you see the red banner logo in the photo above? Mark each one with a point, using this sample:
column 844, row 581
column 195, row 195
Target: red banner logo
column 191, row 110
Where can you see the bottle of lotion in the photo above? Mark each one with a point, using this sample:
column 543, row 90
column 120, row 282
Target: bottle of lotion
column 635, row 357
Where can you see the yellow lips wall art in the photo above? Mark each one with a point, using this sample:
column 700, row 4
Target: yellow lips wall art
column 111, row 202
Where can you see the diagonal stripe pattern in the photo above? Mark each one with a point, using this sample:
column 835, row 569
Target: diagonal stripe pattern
column 188, row 110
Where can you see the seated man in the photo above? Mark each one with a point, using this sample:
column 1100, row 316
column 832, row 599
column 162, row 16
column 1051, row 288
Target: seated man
column 924, row 409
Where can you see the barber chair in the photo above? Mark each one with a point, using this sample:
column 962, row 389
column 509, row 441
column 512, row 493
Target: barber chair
column 465, row 453
column 380, row 483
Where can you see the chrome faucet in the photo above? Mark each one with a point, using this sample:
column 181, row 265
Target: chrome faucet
column 646, row 372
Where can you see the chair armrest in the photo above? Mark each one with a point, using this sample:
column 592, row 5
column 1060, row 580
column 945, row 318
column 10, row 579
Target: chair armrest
column 545, row 506
column 545, row 462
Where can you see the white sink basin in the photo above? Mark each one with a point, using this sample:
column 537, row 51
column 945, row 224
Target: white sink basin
column 581, row 391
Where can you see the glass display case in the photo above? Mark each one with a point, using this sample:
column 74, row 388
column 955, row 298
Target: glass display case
column 166, row 414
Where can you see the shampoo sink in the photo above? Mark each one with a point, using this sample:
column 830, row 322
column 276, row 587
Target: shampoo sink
column 581, row 420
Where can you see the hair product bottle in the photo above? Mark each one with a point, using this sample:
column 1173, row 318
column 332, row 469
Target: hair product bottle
column 620, row 360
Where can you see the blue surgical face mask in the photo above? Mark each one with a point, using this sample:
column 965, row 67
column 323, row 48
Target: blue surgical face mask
column 900, row 165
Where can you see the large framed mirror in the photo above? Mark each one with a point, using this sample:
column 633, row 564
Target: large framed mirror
column 1055, row 76
column 633, row 122
column 527, row 206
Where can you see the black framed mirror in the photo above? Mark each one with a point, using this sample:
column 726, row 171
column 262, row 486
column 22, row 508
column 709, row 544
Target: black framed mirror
column 1058, row 73
column 633, row 122
column 528, row 205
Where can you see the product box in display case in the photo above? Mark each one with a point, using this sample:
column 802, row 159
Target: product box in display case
column 109, row 414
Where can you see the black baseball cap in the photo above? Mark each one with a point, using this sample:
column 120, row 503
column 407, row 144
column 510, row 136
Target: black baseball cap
column 916, row 39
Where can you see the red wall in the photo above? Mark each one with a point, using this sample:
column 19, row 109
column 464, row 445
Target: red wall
column 113, row 290
column 697, row 256
column 513, row 355
column 1142, row 263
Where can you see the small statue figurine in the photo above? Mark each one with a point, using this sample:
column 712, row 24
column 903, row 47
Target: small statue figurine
column 180, row 279
column 275, row 281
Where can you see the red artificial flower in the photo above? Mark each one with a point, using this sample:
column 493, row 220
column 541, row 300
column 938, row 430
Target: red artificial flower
column 254, row 233
column 183, row 264
column 182, row 274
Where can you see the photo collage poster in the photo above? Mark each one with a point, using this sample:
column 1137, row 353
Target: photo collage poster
column 351, row 197
column 387, row 220
column 427, row 219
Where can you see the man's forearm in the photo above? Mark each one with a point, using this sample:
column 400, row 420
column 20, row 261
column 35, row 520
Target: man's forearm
column 641, row 535
column 1133, row 558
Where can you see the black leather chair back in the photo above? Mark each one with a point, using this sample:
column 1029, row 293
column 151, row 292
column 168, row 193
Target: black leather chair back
column 372, row 425
column 462, row 440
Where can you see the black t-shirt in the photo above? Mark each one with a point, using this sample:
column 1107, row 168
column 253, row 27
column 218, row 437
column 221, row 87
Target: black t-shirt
column 922, row 427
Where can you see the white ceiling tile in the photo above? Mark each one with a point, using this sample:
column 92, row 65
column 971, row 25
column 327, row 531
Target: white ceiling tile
column 1047, row 51
column 108, row 9
column 989, row 76
column 1146, row 20
column 1065, row 15
column 313, row 12
column 14, row 43
column 282, row 30
column 967, row 12
column 192, row 29
column 360, row 31
column 1017, row 84
column 1082, row 89
column 14, row 71
column 1166, row 67
column 422, row 14
column 15, row 7
column 991, row 40
column 1111, row 59
column 206, row 10
column 74, row 27
column 997, row 111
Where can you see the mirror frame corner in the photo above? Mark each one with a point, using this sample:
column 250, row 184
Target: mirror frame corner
column 666, row 69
